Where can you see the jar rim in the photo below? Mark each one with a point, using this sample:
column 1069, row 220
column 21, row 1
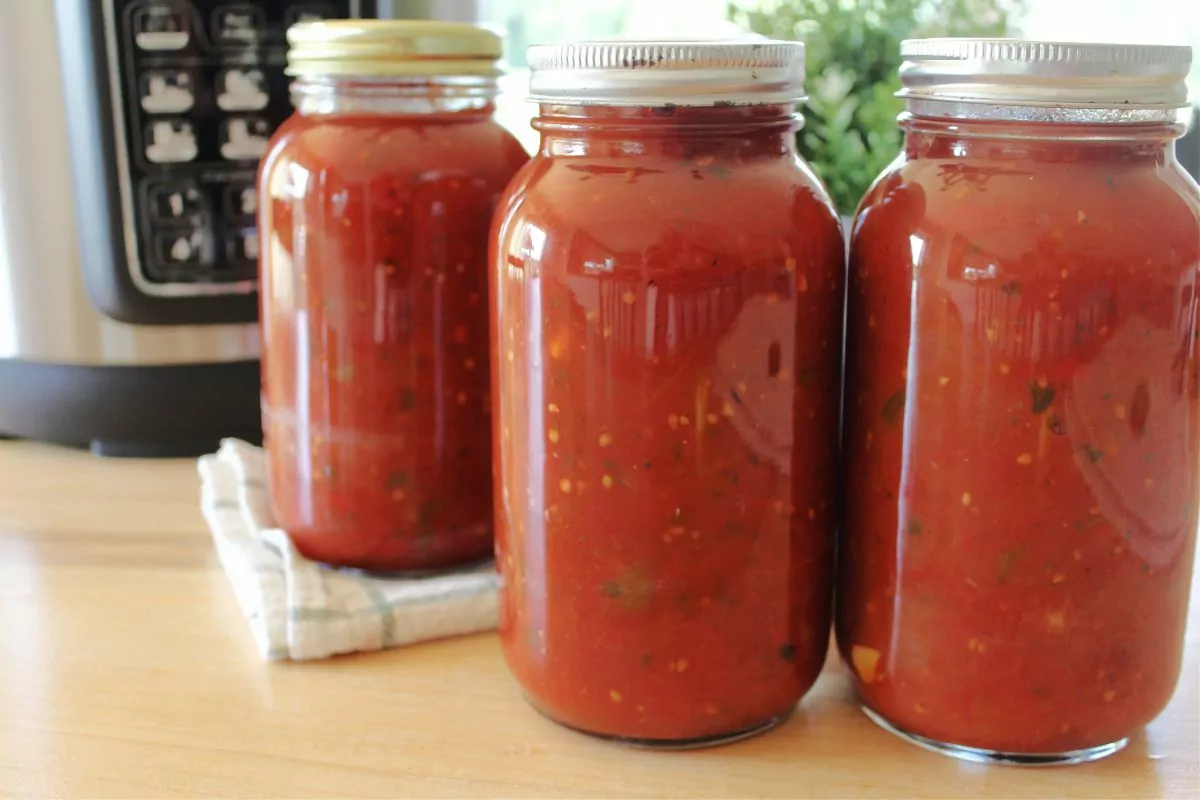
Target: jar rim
column 1006, row 111
column 1052, row 81
column 745, row 70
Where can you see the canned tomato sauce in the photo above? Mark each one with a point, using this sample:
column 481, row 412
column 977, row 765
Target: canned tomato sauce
column 1021, row 405
column 666, row 318
column 377, row 198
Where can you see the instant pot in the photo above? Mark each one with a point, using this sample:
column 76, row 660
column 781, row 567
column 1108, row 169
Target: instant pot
column 130, row 132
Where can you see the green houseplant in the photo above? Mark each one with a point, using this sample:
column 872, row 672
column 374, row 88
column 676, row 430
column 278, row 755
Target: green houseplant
column 853, row 46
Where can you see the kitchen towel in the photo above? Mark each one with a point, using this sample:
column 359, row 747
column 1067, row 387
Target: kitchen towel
column 301, row 610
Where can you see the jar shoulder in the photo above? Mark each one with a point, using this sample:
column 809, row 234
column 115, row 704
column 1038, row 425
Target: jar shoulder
column 640, row 200
column 358, row 146
column 1023, row 214
column 628, row 177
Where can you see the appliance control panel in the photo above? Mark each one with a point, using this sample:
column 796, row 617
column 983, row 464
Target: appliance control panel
column 197, row 88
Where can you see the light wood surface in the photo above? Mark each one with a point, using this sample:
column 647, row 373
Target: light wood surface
column 127, row 671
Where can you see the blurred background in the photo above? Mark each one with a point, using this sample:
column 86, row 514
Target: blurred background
column 850, row 132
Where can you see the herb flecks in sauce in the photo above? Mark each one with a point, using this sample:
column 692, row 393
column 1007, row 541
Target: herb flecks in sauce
column 1008, row 562
column 893, row 407
column 1042, row 396
column 632, row 588
column 672, row 391
column 1046, row 479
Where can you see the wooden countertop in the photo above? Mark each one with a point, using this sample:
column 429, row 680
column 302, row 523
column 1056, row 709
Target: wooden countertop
column 127, row 671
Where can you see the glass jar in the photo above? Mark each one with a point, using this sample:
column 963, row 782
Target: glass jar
column 1022, row 436
column 377, row 197
column 666, row 326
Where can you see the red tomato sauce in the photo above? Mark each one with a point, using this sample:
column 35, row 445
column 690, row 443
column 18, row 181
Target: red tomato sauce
column 666, row 327
column 374, row 319
column 1022, row 436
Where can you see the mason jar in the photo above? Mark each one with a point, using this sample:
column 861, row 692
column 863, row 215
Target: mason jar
column 667, row 281
column 1022, row 435
column 377, row 196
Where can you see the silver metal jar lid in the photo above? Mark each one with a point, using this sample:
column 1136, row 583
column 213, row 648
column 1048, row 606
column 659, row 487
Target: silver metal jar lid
column 698, row 73
column 1106, row 82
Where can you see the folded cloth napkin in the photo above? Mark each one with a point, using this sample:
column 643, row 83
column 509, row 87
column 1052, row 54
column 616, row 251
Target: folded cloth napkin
column 299, row 609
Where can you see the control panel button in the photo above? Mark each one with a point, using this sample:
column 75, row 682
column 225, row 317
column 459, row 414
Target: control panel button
column 306, row 12
column 238, row 25
column 243, row 244
column 170, row 141
column 184, row 248
column 167, row 91
column 161, row 27
column 176, row 201
column 244, row 138
column 242, row 89
column 241, row 200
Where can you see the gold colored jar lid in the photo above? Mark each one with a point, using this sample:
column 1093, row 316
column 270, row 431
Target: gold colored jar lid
column 391, row 48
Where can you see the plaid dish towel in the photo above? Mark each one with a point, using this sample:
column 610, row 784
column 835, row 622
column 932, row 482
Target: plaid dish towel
column 299, row 609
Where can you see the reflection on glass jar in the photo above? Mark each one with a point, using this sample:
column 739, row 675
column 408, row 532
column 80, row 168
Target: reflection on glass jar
column 376, row 201
column 1021, row 418
column 666, row 335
